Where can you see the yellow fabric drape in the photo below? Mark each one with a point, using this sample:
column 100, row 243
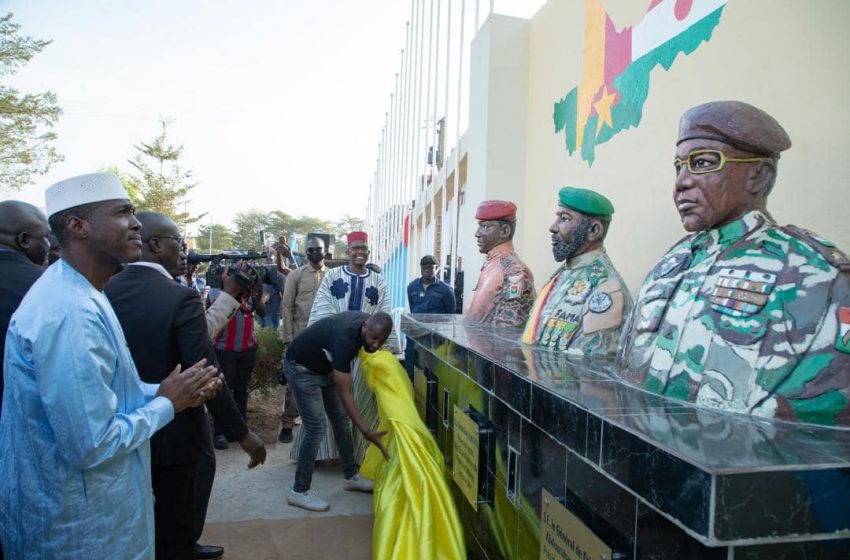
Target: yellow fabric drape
column 415, row 515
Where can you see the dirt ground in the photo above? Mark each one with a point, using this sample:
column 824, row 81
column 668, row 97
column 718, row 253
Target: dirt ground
column 264, row 407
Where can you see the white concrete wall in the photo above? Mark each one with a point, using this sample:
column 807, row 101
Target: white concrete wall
column 497, row 134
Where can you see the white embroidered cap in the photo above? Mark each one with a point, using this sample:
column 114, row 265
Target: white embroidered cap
column 83, row 189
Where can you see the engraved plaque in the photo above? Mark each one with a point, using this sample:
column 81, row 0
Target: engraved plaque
column 564, row 537
column 466, row 455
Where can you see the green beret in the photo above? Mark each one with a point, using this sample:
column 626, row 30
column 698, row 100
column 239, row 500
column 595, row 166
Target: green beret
column 586, row 202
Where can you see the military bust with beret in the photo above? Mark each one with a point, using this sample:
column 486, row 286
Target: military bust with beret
column 505, row 290
column 582, row 306
column 743, row 314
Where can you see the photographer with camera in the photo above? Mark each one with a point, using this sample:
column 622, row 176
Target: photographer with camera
column 227, row 279
column 284, row 259
column 235, row 345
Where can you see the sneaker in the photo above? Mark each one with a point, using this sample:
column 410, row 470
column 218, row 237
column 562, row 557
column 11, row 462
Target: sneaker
column 285, row 435
column 358, row 483
column 220, row 442
column 307, row 500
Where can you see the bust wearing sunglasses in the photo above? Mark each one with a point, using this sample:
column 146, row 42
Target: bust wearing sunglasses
column 743, row 314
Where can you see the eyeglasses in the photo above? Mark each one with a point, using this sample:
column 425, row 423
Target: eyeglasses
column 315, row 250
column 709, row 161
column 180, row 241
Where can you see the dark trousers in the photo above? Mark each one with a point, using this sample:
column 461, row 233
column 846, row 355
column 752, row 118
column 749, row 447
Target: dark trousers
column 174, row 510
column 237, row 368
column 270, row 320
column 204, row 482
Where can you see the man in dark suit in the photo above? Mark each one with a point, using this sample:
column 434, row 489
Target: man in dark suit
column 23, row 251
column 164, row 323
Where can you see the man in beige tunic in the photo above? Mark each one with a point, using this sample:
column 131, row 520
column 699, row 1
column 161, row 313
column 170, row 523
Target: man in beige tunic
column 298, row 295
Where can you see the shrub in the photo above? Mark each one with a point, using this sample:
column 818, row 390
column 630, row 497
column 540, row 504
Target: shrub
column 269, row 354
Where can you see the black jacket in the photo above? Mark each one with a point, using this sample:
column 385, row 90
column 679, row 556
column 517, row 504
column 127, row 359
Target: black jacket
column 164, row 325
column 19, row 274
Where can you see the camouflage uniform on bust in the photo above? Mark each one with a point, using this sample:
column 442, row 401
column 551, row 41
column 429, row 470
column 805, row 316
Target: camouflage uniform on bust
column 582, row 307
column 749, row 316
column 505, row 290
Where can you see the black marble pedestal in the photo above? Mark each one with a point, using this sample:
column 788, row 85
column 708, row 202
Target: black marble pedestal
column 651, row 477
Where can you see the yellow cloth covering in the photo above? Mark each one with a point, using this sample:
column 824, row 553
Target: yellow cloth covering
column 415, row 516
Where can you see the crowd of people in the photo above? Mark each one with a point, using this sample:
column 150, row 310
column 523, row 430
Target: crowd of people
column 115, row 353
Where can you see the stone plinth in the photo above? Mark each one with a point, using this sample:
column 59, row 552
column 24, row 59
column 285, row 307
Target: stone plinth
column 649, row 476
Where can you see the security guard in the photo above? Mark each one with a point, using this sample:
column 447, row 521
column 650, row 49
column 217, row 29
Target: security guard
column 427, row 294
column 582, row 307
column 743, row 314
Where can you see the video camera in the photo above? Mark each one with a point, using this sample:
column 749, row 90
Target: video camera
column 248, row 273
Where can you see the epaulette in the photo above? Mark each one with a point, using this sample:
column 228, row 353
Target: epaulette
column 827, row 249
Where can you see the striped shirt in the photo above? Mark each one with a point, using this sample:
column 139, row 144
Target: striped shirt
column 238, row 335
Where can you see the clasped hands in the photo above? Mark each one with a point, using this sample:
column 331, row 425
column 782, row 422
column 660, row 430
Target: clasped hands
column 192, row 387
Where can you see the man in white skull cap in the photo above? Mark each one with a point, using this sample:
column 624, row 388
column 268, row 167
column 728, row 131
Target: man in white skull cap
column 75, row 475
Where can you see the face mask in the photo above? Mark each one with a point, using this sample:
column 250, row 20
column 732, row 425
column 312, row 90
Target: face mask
column 315, row 257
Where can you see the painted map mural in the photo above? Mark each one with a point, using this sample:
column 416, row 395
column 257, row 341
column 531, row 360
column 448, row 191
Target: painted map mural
column 617, row 66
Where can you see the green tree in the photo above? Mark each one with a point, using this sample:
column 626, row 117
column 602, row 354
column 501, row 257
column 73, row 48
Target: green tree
column 278, row 224
column 282, row 224
column 162, row 183
column 222, row 238
column 341, row 228
column 349, row 223
column 130, row 185
column 26, row 119
column 247, row 228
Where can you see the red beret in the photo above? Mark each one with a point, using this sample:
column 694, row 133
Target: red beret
column 496, row 210
column 357, row 236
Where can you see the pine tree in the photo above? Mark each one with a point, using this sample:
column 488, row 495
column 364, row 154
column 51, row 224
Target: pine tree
column 26, row 119
column 162, row 184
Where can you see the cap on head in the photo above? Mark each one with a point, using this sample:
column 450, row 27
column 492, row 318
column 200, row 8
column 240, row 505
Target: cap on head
column 585, row 201
column 83, row 189
column 496, row 210
column 427, row 260
column 357, row 236
column 735, row 123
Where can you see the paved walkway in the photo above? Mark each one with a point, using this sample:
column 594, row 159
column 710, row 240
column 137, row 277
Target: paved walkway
column 249, row 515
